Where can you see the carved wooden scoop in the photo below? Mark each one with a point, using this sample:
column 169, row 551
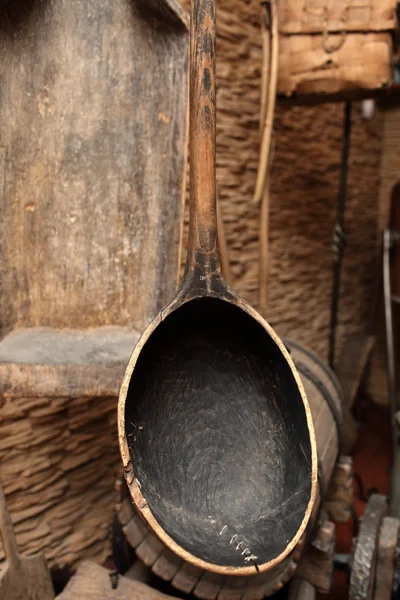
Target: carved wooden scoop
column 215, row 430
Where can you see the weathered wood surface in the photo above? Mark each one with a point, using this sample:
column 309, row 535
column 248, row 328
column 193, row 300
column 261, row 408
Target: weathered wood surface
column 339, row 499
column 386, row 561
column 138, row 572
column 362, row 577
column 297, row 16
column 316, row 565
column 301, row 590
column 323, row 47
column 352, row 364
column 93, row 146
column 325, row 397
column 92, row 582
column 22, row 577
column 58, row 437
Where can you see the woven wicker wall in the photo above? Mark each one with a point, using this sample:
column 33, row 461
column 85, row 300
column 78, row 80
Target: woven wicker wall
column 304, row 192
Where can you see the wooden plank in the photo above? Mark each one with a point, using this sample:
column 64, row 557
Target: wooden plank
column 301, row 590
column 386, row 562
column 135, row 531
column 92, row 582
column 22, row 577
column 95, row 137
column 208, row 586
column 139, row 572
column 234, row 588
column 167, row 565
column 186, row 578
column 298, row 16
column 149, row 549
column 316, row 565
column 40, row 362
column 125, row 511
column 340, row 495
column 365, row 554
column 354, row 357
column 352, row 363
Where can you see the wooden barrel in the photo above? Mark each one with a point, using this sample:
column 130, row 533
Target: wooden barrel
column 325, row 399
column 324, row 396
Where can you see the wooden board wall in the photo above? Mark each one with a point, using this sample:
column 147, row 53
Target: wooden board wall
column 304, row 192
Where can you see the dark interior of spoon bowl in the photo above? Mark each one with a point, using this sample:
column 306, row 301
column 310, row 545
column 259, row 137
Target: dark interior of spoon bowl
column 218, row 435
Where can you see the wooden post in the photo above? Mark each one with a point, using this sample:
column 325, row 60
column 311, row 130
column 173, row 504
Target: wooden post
column 316, row 565
column 340, row 496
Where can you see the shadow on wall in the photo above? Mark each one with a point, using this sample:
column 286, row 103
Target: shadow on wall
column 164, row 11
column 16, row 14
column 395, row 226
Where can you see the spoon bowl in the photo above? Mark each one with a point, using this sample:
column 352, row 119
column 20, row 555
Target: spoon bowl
column 218, row 437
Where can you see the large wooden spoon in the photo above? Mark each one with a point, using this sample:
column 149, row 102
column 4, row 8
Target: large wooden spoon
column 215, row 430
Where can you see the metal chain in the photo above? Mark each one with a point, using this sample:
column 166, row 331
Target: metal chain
column 339, row 240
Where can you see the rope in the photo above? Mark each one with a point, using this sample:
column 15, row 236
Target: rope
column 223, row 246
column 269, row 92
column 330, row 48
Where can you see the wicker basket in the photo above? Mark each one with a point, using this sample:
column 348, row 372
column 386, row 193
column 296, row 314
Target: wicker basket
column 335, row 48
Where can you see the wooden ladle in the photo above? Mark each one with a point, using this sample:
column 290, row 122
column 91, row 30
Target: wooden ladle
column 215, row 430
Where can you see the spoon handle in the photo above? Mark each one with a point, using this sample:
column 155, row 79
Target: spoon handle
column 203, row 250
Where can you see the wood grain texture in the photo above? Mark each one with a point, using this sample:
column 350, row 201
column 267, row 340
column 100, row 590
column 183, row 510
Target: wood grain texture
column 316, row 565
column 325, row 398
column 352, row 365
column 203, row 194
column 339, row 500
column 92, row 582
column 86, row 205
column 21, row 578
column 30, row 580
column 387, row 557
column 365, row 555
column 301, row 16
column 301, row 590
column 323, row 47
